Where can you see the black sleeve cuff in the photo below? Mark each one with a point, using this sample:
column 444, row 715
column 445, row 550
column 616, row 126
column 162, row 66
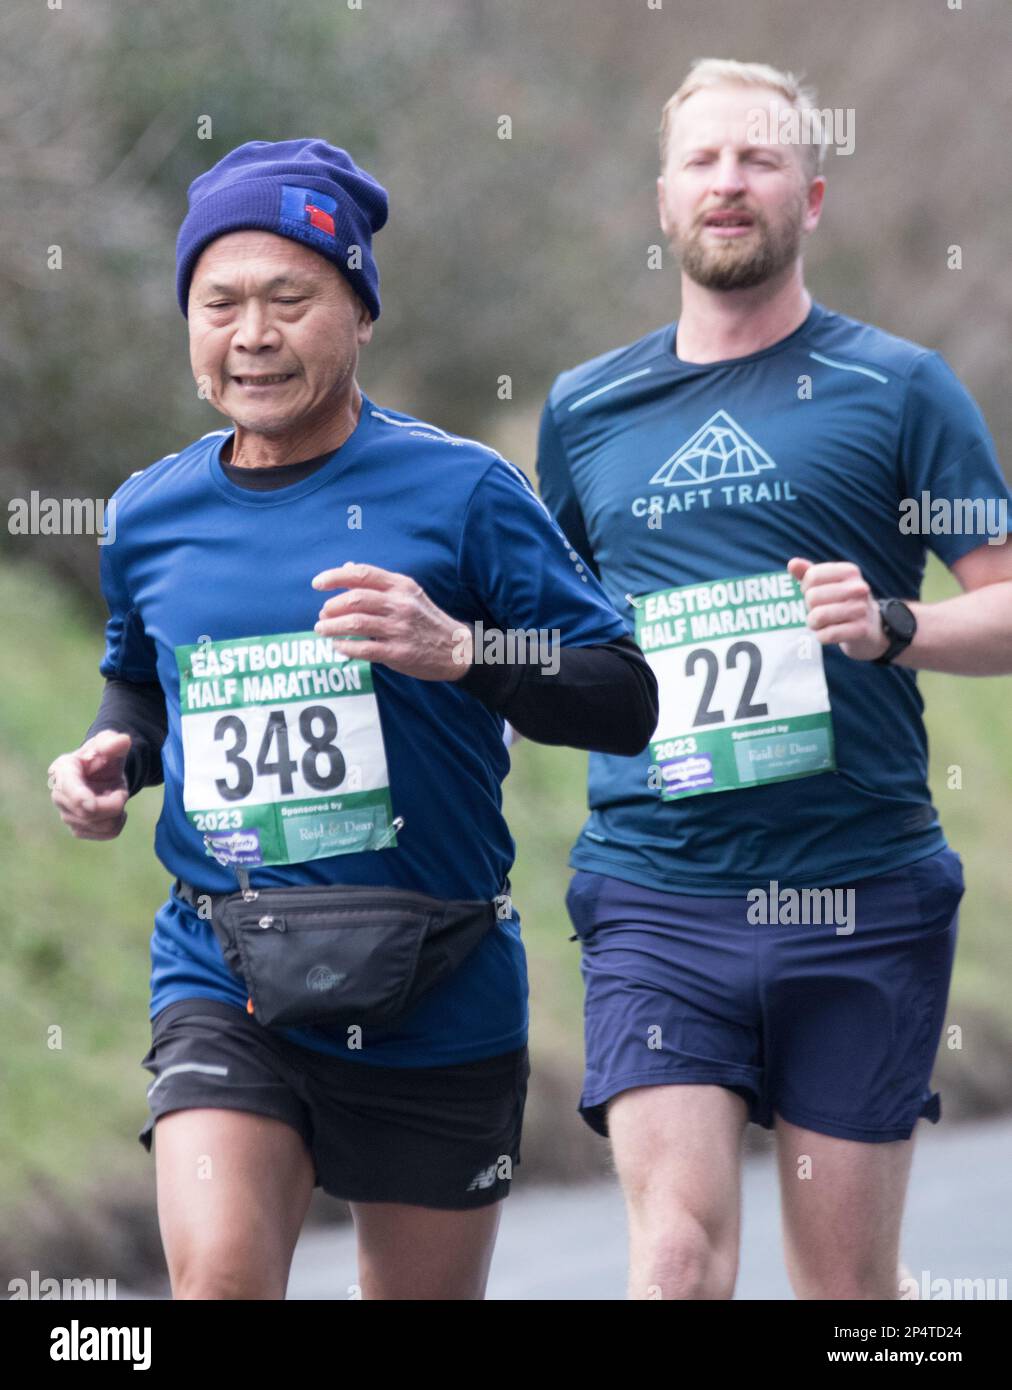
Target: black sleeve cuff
column 493, row 683
column 137, row 709
column 602, row 697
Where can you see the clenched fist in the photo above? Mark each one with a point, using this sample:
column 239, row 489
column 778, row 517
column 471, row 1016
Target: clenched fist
column 89, row 786
column 841, row 608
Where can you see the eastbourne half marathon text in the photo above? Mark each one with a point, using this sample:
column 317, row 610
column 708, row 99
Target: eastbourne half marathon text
column 762, row 603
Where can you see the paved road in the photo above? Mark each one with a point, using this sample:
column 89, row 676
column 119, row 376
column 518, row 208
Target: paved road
column 570, row 1243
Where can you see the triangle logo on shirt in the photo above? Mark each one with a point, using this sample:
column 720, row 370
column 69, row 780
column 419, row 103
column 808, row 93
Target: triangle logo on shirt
column 718, row 449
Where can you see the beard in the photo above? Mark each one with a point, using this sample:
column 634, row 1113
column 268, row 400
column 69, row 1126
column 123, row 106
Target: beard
column 742, row 263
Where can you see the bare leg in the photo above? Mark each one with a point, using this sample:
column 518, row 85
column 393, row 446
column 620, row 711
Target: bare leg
column 842, row 1204
column 678, row 1154
column 233, row 1189
column 409, row 1252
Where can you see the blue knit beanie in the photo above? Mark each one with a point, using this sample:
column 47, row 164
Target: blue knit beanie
column 304, row 189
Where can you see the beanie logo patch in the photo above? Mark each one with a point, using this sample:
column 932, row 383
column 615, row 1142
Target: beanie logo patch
column 305, row 207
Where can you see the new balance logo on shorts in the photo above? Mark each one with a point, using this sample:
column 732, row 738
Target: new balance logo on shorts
column 486, row 1177
column 482, row 1179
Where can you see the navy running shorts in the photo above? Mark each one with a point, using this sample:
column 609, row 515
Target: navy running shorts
column 445, row 1137
column 831, row 1023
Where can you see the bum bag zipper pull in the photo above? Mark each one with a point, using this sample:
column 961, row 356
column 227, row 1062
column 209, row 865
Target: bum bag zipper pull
column 249, row 894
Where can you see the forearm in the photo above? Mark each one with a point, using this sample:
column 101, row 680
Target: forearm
column 969, row 635
column 602, row 698
column 137, row 710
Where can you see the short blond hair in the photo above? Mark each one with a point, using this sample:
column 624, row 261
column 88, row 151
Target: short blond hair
column 728, row 72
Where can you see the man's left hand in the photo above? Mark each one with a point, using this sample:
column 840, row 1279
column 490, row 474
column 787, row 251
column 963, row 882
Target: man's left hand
column 841, row 608
column 391, row 620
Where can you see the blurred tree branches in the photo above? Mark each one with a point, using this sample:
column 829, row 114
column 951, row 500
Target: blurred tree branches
column 510, row 257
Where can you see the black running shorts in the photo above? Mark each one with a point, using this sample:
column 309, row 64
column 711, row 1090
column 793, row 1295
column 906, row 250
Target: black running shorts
column 445, row 1137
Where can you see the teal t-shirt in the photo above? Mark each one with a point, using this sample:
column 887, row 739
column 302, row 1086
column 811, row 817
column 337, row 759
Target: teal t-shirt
column 666, row 473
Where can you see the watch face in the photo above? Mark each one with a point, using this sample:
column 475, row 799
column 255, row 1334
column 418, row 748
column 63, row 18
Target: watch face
column 899, row 619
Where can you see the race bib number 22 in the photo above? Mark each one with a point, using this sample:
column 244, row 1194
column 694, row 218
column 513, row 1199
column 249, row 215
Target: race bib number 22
column 283, row 752
column 742, row 690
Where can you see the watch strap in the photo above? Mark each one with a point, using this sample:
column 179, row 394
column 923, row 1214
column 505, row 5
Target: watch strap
column 897, row 643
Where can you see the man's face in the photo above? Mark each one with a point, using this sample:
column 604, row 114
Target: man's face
column 733, row 210
column 262, row 306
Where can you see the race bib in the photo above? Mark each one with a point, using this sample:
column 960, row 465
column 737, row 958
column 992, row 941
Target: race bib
column 742, row 689
column 283, row 755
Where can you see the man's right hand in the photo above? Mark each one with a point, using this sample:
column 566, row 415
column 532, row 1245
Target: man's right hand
column 89, row 786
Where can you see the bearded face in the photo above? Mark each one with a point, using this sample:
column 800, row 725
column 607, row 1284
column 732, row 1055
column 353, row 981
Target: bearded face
column 734, row 246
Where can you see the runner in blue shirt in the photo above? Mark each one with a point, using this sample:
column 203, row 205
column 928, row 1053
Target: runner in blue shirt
column 765, row 898
column 318, row 619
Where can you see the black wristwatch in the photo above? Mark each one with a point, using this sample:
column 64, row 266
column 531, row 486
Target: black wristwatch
column 899, row 625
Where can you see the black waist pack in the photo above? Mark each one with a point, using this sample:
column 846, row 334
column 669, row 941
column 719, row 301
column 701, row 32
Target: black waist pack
column 338, row 955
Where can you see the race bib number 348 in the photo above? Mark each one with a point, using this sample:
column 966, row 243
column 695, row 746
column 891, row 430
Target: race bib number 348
column 743, row 696
column 283, row 753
